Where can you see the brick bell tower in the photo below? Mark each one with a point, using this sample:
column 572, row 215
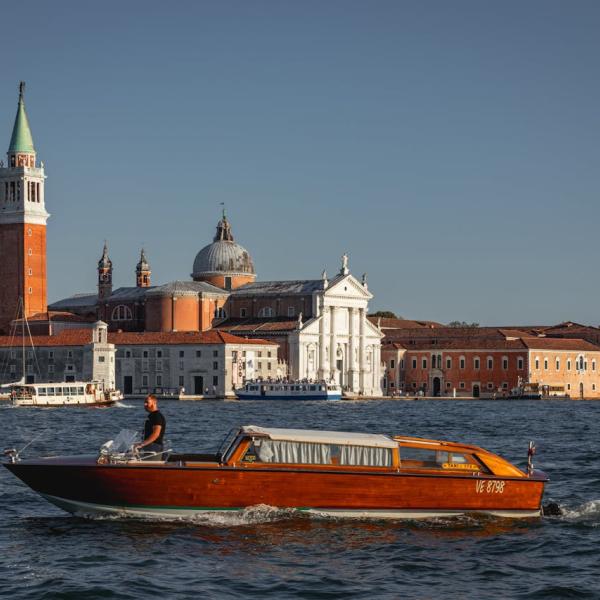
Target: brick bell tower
column 23, row 219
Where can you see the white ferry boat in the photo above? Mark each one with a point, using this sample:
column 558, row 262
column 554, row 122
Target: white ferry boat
column 69, row 393
column 289, row 390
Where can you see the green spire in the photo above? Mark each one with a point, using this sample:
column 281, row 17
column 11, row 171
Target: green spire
column 21, row 140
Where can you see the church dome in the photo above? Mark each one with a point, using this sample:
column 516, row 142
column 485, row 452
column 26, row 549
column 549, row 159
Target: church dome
column 223, row 257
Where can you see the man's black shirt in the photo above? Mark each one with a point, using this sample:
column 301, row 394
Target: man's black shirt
column 155, row 418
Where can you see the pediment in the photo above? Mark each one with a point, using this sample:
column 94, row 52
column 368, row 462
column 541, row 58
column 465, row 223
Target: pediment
column 349, row 287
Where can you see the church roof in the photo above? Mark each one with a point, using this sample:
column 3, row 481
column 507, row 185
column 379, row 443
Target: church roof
column 21, row 139
column 299, row 287
column 77, row 300
column 223, row 255
column 184, row 287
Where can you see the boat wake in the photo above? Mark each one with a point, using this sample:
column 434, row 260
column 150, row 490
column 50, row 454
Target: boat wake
column 253, row 515
column 588, row 513
column 122, row 405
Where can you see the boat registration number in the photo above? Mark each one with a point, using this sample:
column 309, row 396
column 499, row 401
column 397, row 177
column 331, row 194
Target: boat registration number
column 490, row 487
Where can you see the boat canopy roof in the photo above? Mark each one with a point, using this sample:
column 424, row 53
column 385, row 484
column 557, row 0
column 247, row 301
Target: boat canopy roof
column 340, row 438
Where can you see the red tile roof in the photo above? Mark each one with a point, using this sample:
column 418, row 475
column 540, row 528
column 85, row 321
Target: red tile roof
column 80, row 337
column 545, row 343
column 256, row 325
column 58, row 315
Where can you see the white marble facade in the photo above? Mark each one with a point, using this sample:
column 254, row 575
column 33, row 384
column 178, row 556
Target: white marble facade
column 339, row 344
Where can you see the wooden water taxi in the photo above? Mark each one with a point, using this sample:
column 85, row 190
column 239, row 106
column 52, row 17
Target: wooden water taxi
column 324, row 472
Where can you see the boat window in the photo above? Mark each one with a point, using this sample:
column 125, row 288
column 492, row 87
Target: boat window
column 426, row 458
column 50, row 391
column 313, row 388
column 42, row 391
column 80, row 390
column 73, row 391
column 306, row 453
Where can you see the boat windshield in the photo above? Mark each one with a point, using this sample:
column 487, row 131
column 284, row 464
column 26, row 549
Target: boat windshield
column 428, row 458
column 228, row 441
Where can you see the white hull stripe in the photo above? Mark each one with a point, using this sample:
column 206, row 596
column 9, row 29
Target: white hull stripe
column 87, row 508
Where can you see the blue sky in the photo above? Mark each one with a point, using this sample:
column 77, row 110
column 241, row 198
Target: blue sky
column 452, row 149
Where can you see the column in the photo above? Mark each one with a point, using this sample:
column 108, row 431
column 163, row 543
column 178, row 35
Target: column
column 362, row 350
column 332, row 343
column 352, row 346
column 322, row 371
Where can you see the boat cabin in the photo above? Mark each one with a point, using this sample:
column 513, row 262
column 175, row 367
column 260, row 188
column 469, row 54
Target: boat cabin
column 259, row 447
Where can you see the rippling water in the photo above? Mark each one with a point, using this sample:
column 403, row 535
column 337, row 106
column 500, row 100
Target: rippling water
column 268, row 553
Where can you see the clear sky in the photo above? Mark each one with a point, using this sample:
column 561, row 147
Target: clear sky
column 452, row 149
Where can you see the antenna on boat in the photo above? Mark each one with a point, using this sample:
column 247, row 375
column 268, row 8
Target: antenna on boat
column 14, row 454
column 530, row 454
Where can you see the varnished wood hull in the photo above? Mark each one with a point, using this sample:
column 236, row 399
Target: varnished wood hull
column 81, row 486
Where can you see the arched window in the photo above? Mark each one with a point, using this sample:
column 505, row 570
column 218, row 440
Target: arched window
column 121, row 313
column 476, row 363
column 490, row 363
column 505, row 363
column 462, row 362
column 220, row 313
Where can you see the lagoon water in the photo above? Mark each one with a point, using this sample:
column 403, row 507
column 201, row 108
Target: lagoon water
column 269, row 553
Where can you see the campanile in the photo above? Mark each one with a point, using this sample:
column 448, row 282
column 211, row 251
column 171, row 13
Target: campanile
column 23, row 219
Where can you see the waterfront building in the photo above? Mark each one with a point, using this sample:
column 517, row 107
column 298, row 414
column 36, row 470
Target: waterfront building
column 69, row 355
column 487, row 362
column 212, row 363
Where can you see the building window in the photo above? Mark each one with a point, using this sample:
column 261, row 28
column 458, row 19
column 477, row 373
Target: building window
column 568, row 386
column 259, row 365
column 30, row 290
column 448, row 363
column 145, row 354
column 392, row 363
column 181, row 367
column 159, row 354
column 557, row 363
column 215, row 353
column 30, row 271
column 215, row 366
column 181, row 380
column 520, row 363
column 545, row 364
column 145, row 365
column 594, row 387
column 291, row 311
column 490, row 363
column 402, row 363
column 424, row 363
column 490, row 385
column 101, row 358
column 159, row 364
column 593, row 365
column 215, row 380
column 505, row 363
column 159, row 380
column 127, row 353
column 70, row 354
column 504, row 385
column 242, row 312
column 266, row 311
column 181, row 353
column 227, row 283
column 414, row 363
column 198, row 353
column 144, row 380
column 476, row 363
column 537, row 363
column 50, row 368
column 30, row 251
column 461, row 385
column 121, row 313
column 268, row 366
column 568, row 364
column 462, row 362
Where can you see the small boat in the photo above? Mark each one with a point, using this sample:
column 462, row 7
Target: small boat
column 289, row 390
column 324, row 472
column 70, row 393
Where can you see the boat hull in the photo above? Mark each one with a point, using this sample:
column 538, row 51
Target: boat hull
column 158, row 490
column 91, row 404
column 299, row 397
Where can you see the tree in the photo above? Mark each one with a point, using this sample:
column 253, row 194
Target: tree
column 384, row 314
column 462, row 324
